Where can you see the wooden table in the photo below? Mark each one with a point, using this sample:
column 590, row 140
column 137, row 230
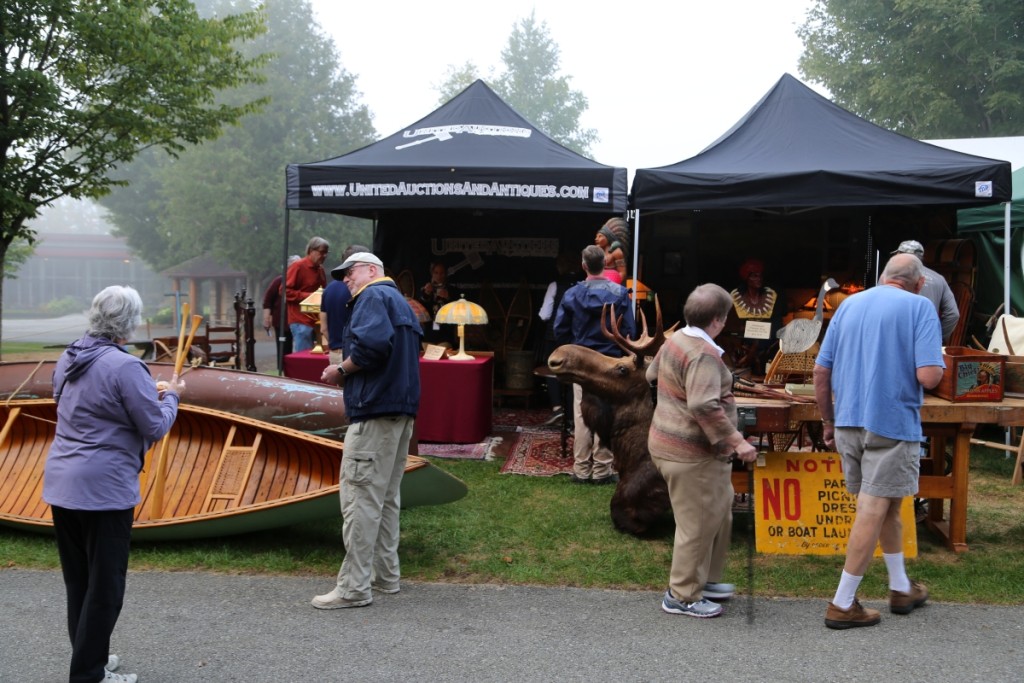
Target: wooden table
column 940, row 420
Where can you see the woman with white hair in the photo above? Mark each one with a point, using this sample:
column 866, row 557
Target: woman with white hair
column 109, row 412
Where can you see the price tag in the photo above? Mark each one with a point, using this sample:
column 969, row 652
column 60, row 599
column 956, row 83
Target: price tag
column 757, row 329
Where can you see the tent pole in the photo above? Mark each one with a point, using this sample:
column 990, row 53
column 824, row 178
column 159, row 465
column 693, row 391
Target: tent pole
column 1006, row 257
column 283, row 302
column 636, row 257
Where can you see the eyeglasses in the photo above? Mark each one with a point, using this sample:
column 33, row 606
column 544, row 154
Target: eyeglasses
column 351, row 268
column 323, row 251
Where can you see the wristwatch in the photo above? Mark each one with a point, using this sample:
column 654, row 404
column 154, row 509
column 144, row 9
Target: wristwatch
column 341, row 369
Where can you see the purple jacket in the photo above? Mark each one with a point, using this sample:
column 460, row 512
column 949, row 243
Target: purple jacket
column 108, row 415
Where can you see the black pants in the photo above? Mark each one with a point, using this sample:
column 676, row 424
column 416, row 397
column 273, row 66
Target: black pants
column 93, row 547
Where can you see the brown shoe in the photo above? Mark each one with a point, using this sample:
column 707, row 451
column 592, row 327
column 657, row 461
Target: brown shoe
column 851, row 618
column 905, row 603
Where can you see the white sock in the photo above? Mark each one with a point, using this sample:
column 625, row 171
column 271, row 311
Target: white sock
column 847, row 591
column 898, row 579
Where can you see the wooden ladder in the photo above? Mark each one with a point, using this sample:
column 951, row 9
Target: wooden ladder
column 233, row 470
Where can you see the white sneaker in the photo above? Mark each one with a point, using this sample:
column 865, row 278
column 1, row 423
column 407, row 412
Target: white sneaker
column 113, row 661
column 384, row 588
column 334, row 600
column 109, row 675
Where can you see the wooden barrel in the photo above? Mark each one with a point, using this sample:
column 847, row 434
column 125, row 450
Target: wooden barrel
column 956, row 259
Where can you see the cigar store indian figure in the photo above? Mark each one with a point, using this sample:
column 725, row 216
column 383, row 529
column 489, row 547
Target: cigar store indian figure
column 758, row 314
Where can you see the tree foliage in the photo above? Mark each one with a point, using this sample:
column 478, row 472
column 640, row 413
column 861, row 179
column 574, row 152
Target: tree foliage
column 89, row 84
column 925, row 68
column 530, row 84
column 226, row 197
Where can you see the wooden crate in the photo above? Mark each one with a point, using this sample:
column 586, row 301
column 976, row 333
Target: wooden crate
column 966, row 373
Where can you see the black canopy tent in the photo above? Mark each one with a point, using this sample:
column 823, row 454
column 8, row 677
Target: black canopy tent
column 795, row 148
column 795, row 151
column 472, row 178
column 474, row 152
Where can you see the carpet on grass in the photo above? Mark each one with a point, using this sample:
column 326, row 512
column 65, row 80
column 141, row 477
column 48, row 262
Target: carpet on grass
column 462, row 451
column 538, row 453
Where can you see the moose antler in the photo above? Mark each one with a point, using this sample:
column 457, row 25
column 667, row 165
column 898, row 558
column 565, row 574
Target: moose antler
column 645, row 344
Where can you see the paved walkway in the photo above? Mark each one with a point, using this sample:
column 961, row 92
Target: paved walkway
column 179, row 627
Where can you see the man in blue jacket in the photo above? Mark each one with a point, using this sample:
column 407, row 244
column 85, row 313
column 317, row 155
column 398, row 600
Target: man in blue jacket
column 381, row 374
column 578, row 321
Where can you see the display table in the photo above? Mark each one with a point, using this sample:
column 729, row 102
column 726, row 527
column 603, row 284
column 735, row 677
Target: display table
column 305, row 365
column 941, row 420
column 455, row 400
column 455, row 396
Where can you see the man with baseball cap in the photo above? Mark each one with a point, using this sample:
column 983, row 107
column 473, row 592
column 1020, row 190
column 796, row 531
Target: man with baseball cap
column 381, row 374
column 935, row 289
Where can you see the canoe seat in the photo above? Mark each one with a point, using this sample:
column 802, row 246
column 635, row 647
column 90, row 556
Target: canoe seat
column 232, row 473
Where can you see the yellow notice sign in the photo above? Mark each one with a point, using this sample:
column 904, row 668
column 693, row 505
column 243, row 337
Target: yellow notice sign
column 801, row 506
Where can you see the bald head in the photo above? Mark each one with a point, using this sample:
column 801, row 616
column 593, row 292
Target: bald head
column 903, row 271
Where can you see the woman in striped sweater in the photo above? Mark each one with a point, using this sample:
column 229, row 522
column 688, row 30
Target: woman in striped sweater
column 692, row 441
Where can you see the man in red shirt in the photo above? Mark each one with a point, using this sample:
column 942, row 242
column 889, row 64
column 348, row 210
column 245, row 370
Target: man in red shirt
column 304, row 277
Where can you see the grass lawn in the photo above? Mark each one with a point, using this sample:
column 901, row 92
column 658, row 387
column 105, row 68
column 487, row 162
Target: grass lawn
column 545, row 531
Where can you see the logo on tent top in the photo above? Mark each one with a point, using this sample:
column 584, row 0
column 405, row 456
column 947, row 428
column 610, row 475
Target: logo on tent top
column 442, row 133
column 983, row 188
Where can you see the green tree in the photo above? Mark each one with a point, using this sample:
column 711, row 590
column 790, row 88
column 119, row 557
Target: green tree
column 530, row 84
column 924, row 68
column 87, row 85
column 225, row 198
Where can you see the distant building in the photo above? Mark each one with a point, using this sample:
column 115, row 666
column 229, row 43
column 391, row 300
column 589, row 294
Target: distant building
column 77, row 266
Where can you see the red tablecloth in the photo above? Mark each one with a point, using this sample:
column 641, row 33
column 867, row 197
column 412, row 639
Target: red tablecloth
column 456, row 400
column 456, row 397
column 305, row 365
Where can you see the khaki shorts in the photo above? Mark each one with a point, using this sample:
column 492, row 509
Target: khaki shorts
column 878, row 465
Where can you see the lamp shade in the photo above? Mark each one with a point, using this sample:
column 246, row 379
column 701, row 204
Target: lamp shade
column 461, row 312
column 311, row 304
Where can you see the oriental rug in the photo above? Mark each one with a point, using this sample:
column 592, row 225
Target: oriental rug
column 538, row 453
column 462, row 451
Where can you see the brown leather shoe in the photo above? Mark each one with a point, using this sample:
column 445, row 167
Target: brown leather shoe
column 905, row 603
column 851, row 618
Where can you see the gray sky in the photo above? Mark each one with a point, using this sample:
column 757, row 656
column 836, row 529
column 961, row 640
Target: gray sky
column 663, row 78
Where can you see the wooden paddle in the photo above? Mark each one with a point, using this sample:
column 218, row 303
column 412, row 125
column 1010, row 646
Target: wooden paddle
column 157, row 505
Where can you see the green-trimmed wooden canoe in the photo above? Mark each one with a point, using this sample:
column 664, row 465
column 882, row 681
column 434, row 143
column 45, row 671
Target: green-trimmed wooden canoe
column 225, row 474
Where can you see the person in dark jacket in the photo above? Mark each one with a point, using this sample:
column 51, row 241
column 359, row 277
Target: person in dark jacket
column 109, row 413
column 381, row 373
column 578, row 321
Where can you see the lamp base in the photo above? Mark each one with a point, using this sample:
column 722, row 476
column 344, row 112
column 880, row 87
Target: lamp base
column 461, row 355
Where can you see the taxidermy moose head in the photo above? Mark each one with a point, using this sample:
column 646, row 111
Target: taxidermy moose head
column 617, row 406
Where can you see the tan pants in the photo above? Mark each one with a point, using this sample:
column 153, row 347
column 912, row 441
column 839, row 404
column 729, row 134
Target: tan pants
column 371, row 476
column 590, row 455
column 702, row 496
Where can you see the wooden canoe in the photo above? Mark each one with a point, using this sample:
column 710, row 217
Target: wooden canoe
column 307, row 406
column 225, row 474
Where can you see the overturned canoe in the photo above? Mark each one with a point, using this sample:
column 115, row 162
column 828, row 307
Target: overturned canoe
column 307, row 406
column 225, row 474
